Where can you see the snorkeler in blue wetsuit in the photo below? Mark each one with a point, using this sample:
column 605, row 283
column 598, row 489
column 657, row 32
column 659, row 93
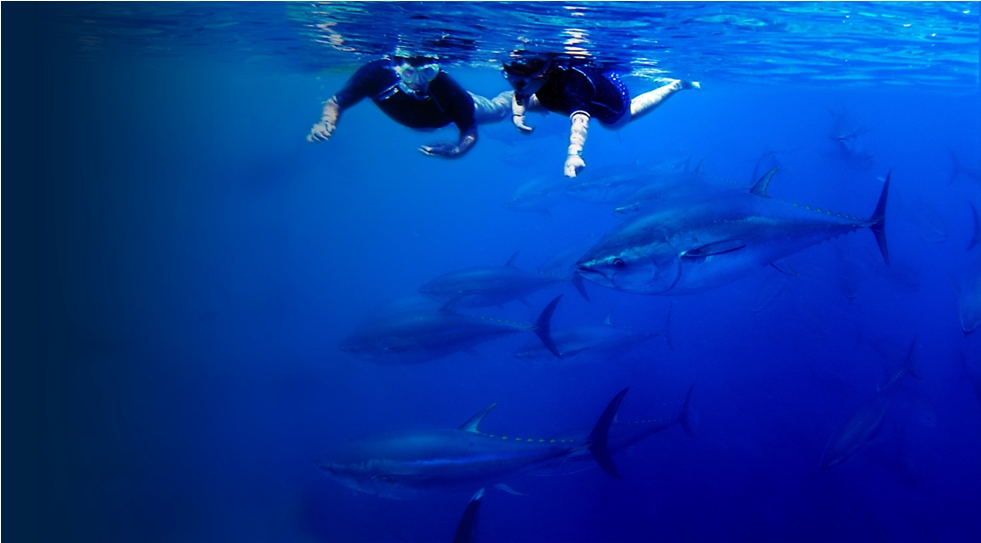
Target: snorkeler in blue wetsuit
column 582, row 92
column 414, row 92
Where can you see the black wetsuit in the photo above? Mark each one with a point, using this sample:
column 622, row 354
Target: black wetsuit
column 446, row 102
column 600, row 93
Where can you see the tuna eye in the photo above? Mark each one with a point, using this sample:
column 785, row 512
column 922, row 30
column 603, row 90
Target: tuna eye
column 618, row 263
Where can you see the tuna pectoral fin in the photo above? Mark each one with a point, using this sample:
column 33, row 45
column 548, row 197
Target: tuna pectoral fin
column 505, row 488
column 467, row 529
column 783, row 267
column 577, row 282
column 716, row 248
column 877, row 224
column 598, row 437
column 543, row 326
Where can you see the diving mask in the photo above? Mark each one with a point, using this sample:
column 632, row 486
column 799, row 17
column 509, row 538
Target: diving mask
column 417, row 77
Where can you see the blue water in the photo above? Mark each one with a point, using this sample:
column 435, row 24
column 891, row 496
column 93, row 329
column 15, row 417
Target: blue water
column 181, row 266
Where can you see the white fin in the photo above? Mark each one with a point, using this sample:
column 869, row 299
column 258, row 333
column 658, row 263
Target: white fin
column 509, row 490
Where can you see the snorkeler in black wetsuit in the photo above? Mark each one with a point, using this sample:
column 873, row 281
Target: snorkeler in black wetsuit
column 414, row 92
column 581, row 92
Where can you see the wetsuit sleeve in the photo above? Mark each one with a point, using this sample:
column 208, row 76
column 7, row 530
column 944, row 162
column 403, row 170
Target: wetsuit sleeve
column 454, row 101
column 367, row 81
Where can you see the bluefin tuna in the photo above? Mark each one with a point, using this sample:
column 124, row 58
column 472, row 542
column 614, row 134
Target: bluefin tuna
column 488, row 286
column 611, row 184
column 539, row 195
column 412, row 337
column 865, row 424
column 666, row 186
column 699, row 243
column 416, row 463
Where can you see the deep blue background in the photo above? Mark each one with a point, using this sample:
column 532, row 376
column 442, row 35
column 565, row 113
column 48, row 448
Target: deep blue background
column 181, row 265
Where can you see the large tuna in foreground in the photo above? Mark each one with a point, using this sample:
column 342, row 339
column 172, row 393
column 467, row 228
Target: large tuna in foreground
column 415, row 463
column 700, row 242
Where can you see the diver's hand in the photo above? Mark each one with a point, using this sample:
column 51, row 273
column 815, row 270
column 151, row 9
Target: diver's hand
column 321, row 132
column 519, row 121
column 573, row 165
column 328, row 122
column 446, row 150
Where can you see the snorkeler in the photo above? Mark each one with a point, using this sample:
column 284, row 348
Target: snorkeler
column 581, row 92
column 414, row 92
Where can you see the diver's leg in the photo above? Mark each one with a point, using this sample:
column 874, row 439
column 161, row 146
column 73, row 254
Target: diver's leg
column 492, row 110
column 647, row 102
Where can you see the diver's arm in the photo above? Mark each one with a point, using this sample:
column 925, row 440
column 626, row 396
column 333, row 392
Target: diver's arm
column 468, row 138
column 328, row 122
column 577, row 139
column 363, row 83
column 518, row 107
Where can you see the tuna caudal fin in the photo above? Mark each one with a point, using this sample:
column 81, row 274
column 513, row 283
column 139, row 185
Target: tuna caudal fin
column 877, row 223
column 543, row 327
column 977, row 228
column 467, row 529
column 598, row 437
column 910, row 366
column 683, row 417
column 577, row 282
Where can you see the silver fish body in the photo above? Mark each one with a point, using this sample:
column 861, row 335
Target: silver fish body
column 419, row 336
column 701, row 242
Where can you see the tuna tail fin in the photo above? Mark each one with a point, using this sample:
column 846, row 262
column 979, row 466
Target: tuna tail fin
column 577, row 282
column 977, row 228
column 877, row 224
column 543, row 326
column 667, row 328
column 466, row 530
column 683, row 417
column 910, row 365
column 598, row 437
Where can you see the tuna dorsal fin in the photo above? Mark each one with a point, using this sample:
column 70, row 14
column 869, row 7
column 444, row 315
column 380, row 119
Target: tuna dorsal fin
column 699, row 167
column 510, row 262
column 448, row 306
column 759, row 188
column 471, row 425
column 977, row 228
column 607, row 320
